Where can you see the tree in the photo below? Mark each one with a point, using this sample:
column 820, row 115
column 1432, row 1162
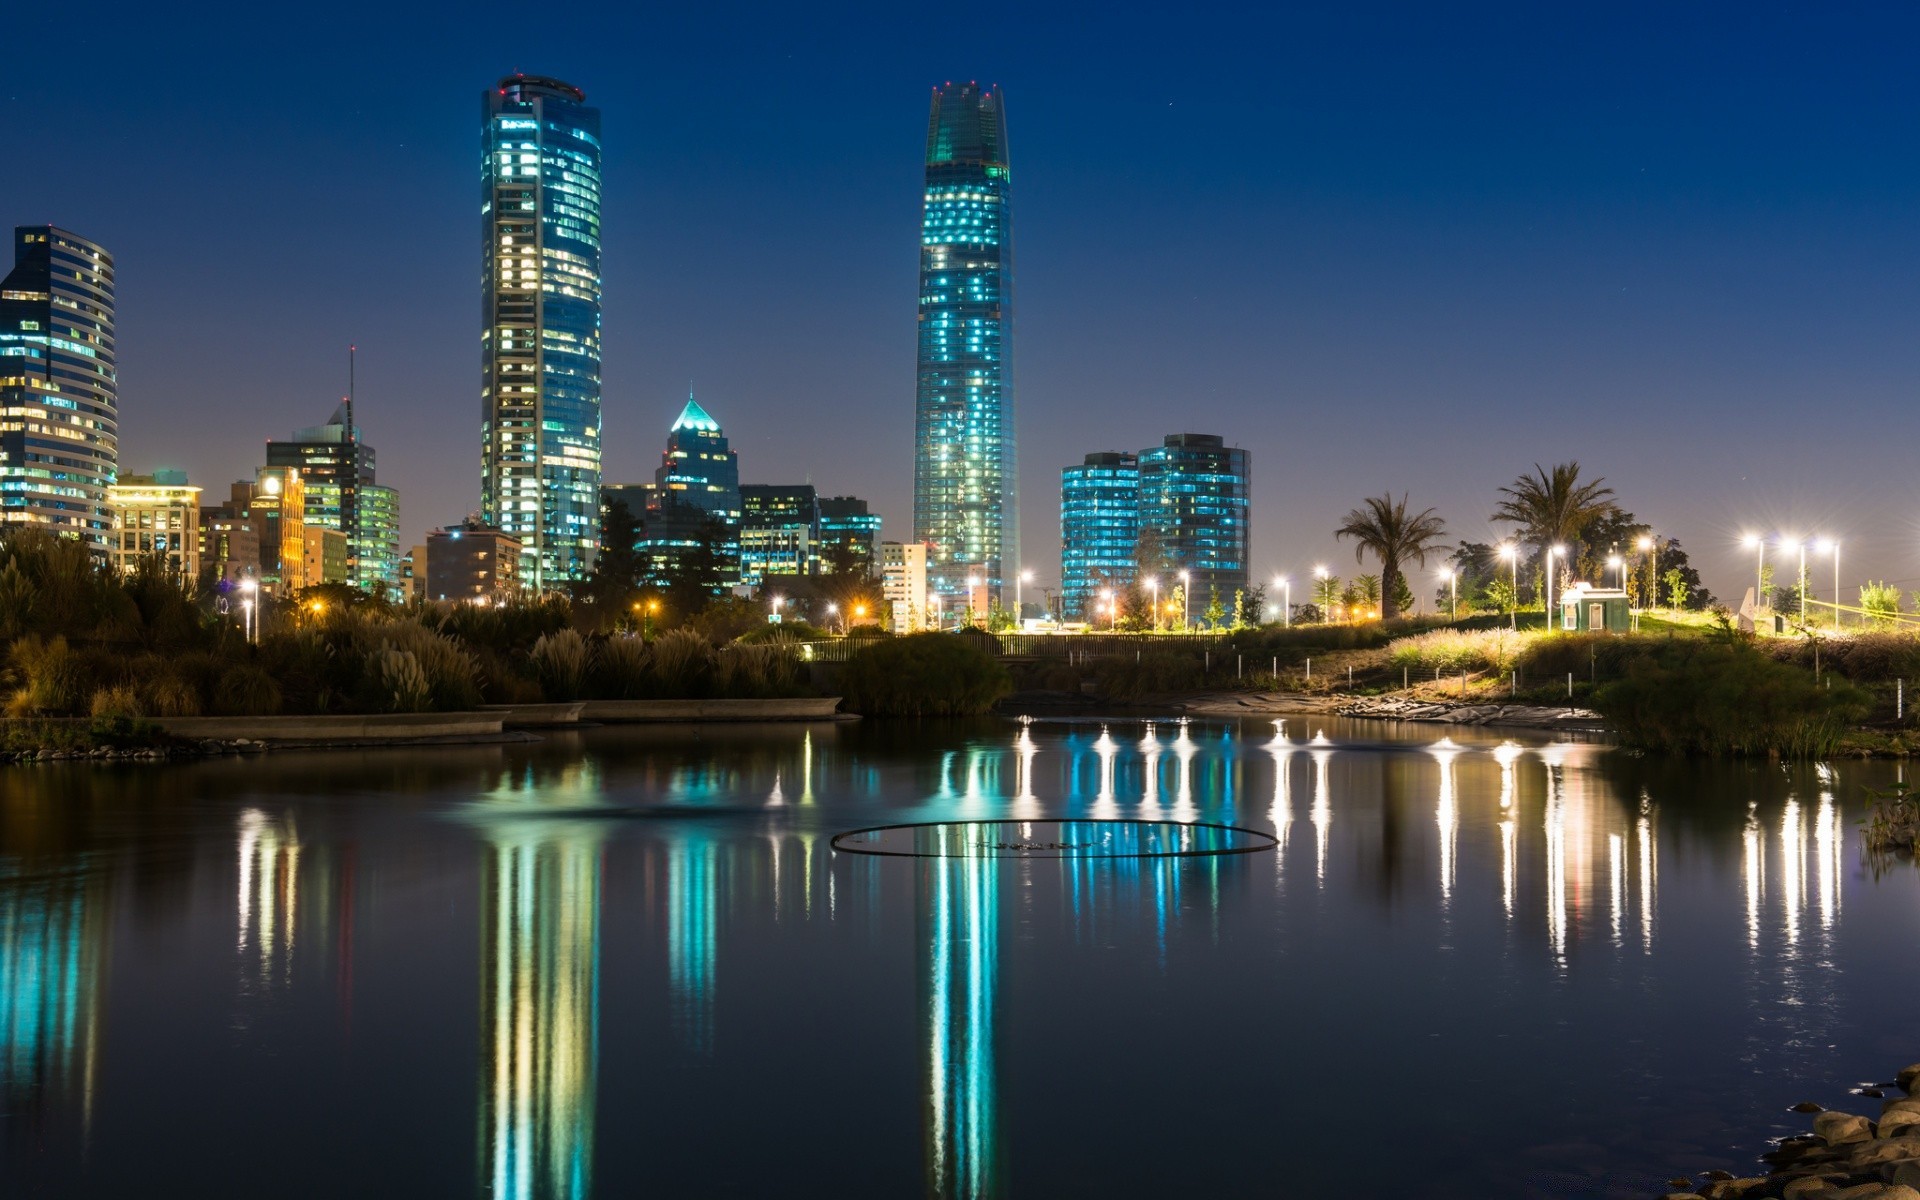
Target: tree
column 1553, row 507
column 1677, row 587
column 1326, row 593
column 1216, row 612
column 618, row 569
column 1150, row 554
column 1881, row 602
column 701, row 570
column 1402, row 594
column 1383, row 527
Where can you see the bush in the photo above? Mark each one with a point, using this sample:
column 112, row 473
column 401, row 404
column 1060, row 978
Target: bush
column 116, row 701
column 621, row 666
column 748, row 672
column 682, row 664
column 1458, row 650
column 1726, row 697
column 923, row 675
column 170, row 694
column 560, row 660
column 48, row 676
column 1153, row 671
column 451, row 676
column 400, row 682
column 247, row 691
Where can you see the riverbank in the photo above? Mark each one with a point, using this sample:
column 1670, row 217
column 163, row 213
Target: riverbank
column 1846, row 1157
column 1286, row 704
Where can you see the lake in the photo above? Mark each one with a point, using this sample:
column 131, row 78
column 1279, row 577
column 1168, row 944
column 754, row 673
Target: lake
column 626, row 961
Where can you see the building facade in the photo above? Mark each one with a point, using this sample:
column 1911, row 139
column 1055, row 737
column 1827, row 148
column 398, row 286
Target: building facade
column 849, row 536
column 904, row 587
column 779, row 531
column 1099, row 529
column 473, row 563
column 1194, row 501
column 229, row 538
column 157, row 514
column 540, row 325
column 279, row 510
column 339, row 471
column 965, row 505
column 59, row 386
column 693, row 506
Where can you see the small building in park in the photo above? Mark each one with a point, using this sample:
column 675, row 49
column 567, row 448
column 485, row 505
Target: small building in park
column 1588, row 609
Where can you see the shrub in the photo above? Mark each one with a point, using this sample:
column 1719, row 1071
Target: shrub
column 170, row 694
column 247, row 691
column 1726, row 697
column 116, row 701
column 1457, row 650
column 560, row 660
column 1881, row 601
column 49, row 677
column 682, row 664
column 620, row 668
column 401, row 683
column 452, row 677
column 745, row 672
column 923, row 675
column 1125, row 678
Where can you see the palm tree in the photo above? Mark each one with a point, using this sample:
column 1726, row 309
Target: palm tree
column 1382, row 526
column 1551, row 507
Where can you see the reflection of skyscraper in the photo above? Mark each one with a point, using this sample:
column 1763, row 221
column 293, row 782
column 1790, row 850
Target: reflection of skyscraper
column 540, row 1012
column 964, row 506
column 961, row 917
column 690, row 937
column 52, row 952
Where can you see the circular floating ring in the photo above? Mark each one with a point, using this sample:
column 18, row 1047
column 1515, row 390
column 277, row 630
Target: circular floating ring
column 1053, row 839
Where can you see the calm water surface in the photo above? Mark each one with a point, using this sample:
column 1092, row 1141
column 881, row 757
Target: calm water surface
column 626, row 962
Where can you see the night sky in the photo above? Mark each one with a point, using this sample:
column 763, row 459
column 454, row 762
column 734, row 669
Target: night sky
column 1417, row 248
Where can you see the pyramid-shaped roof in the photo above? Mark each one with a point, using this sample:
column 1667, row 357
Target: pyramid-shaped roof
column 695, row 417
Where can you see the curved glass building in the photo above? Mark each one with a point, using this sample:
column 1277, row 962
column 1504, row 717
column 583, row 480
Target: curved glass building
column 59, row 387
column 540, row 324
column 964, row 501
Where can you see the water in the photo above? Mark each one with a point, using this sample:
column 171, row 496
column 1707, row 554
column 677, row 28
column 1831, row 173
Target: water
column 625, row 961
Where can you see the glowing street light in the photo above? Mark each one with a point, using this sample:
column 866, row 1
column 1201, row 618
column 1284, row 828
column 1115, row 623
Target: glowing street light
column 1185, row 599
column 1153, row 585
column 1113, row 610
column 834, row 610
column 1453, row 593
column 250, row 587
column 1286, row 610
column 1511, row 553
column 1619, row 564
column 1647, row 545
column 1019, row 607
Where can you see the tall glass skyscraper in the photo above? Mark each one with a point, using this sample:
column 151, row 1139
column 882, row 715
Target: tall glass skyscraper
column 540, row 324
column 59, row 388
column 1194, row 494
column 1099, row 529
column 964, row 500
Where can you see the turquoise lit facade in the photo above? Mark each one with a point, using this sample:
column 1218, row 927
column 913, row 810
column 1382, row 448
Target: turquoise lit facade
column 540, row 325
column 965, row 504
column 1099, row 529
column 849, row 535
column 1194, row 494
column 59, row 386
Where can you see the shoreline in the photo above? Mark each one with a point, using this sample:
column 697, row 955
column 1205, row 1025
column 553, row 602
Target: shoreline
column 1536, row 718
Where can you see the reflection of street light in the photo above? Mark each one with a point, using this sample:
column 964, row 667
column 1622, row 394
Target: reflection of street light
column 1286, row 609
column 1512, row 554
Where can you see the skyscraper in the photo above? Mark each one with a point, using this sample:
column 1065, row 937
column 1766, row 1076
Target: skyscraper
column 540, row 331
column 59, row 389
column 338, row 473
column 1194, row 500
column 1099, row 529
column 964, row 500
column 692, row 510
column 779, row 531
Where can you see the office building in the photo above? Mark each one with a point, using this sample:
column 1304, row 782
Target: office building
column 157, row 514
column 1099, row 529
column 59, row 388
column 279, row 511
column 376, row 548
column 338, row 468
column 229, row 538
column 473, row 563
column 779, row 531
column 326, row 555
column 540, row 333
column 903, row 586
column 1194, row 500
column 693, row 504
column 849, row 541
column 965, row 506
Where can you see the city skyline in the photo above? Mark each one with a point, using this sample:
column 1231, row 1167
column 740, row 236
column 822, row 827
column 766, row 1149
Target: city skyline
column 1712, row 257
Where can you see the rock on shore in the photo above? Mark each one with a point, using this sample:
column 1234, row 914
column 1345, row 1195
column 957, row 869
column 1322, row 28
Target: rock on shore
column 1388, row 708
column 1846, row 1157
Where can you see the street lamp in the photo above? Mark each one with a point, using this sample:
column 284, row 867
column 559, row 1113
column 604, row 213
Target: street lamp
column 1512, row 555
column 1453, row 593
column 1113, row 610
column 1153, row 585
column 1646, row 544
column 1552, row 551
column 834, row 610
column 1614, row 560
column 1286, row 611
column 250, row 587
column 1759, row 546
column 1185, row 599
column 1832, row 545
column 776, row 609
column 1019, row 606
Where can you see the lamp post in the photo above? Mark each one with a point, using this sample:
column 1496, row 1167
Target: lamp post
column 833, row 610
column 1512, row 555
column 1113, row 610
column 1759, row 546
column 1646, row 545
column 937, row 622
column 1453, row 593
column 1153, row 585
column 1616, row 561
column 646, row 623
column 1286, row 611
column 776, row 610
column 1551, row 552
column 1832, row 545
column 859, row 614
column 1185, row 600
column 1019, row 607
column 251, row 588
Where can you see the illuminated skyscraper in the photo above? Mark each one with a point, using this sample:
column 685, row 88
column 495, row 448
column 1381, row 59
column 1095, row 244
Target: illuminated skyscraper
column 540, row 335
column 338, row 471
column 1194, row 498
column 59, row 388
column 964, row 500
column 1099, row 529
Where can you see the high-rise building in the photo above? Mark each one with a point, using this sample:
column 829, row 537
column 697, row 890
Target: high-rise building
column 1099, row 529
column 694, row 499
column 156, row 514
column 59, row 388
column 849, row 535
column 779, row 531
column 965, row 506
column 540, row 334
column 903, row 586
column 337, row 467
column 1194, row 502
column 280, row 517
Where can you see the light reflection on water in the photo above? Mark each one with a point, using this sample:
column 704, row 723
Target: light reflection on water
column 638, row 876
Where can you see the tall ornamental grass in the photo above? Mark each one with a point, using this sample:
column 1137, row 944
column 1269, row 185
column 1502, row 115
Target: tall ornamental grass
column 924, row 675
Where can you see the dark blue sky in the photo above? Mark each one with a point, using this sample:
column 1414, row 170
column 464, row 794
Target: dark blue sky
column 1414, row 247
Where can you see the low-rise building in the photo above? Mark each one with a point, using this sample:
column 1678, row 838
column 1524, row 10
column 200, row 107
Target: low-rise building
column 229, row 538
column 472, row 563
column 155, row 514
column 903, row 585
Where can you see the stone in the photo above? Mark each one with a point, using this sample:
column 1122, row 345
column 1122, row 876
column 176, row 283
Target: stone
column 1838, row 1128
column 1808, row 1106
column 1812, row 1187
column 1885, row 1150
column 1907, row 1174
column 1904, row 1080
